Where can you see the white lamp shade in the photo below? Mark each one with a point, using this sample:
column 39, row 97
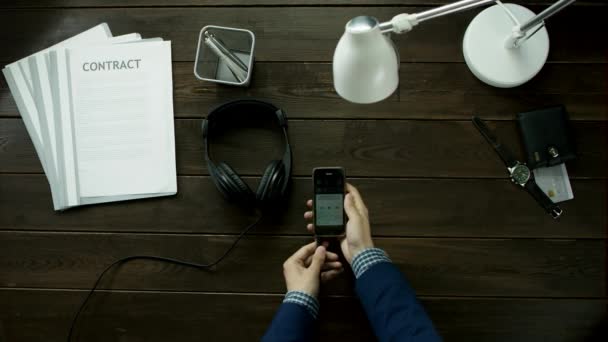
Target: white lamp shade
column 365, row 64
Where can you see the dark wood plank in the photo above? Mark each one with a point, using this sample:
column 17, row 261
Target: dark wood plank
column 363, row 147
column 428, row 90
column 452, row 91
column 200, row 3
column 132, row 316
column 289, row 33
column 518, row 320
column 444, row 267
column 398, row 207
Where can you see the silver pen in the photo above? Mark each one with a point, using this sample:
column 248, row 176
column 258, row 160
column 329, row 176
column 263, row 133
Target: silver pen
column 234, row 64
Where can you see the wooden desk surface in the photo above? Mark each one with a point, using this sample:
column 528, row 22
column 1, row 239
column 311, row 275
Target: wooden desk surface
column 485, row 260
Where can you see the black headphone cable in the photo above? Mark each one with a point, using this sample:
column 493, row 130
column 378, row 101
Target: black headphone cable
column 161, row 259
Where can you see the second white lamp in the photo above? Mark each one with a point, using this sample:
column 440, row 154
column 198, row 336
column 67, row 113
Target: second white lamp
column 504, row 46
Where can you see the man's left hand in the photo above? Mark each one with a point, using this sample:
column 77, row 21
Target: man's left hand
column 305, row 269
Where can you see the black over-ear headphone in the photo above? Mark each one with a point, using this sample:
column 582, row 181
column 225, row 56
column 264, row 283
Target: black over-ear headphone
column 273, row 185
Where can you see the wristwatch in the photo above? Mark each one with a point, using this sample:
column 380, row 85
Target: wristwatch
column 520, row 173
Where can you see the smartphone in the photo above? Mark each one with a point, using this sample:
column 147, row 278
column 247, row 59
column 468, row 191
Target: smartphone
column 328, row 208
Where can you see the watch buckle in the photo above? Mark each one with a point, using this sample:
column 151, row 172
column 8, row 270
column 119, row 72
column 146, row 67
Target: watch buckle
column 556, row 213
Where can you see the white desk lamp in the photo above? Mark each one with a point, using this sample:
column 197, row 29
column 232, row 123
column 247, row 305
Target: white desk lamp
column 505, row 45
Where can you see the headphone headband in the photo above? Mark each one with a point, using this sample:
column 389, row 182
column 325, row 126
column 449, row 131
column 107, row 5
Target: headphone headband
column 279, row 114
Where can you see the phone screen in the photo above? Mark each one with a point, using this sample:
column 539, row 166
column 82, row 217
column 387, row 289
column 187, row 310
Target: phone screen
column 329, row 201
column 329, row 209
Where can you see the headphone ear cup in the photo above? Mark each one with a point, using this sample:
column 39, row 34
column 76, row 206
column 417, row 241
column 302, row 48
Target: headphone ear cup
column 271, row 182
column 278, row 182
column 218, row 178
column 238, row 190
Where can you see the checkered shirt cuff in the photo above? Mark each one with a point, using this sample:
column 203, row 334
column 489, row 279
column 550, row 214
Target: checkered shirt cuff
column 366, row 259
column 304, row 299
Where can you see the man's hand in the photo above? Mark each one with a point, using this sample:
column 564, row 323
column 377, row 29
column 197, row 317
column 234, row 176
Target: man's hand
column 358, row 232
column 304, row 270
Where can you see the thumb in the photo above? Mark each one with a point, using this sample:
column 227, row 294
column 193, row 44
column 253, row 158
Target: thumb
column 317, row 260
column 349, row 207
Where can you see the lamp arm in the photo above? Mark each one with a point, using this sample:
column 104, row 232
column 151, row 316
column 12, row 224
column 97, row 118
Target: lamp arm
column 404, row 22
column 520, row 32
column 549, row 11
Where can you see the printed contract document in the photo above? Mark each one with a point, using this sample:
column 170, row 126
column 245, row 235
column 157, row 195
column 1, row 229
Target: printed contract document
column 122, row 112
column 99, row 111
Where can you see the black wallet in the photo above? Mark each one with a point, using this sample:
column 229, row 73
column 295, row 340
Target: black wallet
column 546, row 136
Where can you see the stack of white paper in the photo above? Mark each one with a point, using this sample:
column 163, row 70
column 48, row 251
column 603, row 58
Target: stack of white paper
column 99, row 111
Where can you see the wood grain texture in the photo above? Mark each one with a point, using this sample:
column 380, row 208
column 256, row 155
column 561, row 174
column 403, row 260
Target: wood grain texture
column 289, row 33
column 153, row 316
column 427, row 91
column 363, row 147
column 398, row 207
column 165, row 3
column 440, row 267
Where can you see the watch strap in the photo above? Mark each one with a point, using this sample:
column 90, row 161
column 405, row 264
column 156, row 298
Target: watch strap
column 503, row 152
column 539, row 195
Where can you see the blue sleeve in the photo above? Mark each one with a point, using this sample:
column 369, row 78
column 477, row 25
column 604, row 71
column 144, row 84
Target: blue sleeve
column 391, row 305
column 295, row 320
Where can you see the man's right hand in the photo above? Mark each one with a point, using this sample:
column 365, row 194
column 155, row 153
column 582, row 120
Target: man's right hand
column 358, row 232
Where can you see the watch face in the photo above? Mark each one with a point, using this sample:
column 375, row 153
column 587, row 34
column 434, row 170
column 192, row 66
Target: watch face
column 521, row 174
